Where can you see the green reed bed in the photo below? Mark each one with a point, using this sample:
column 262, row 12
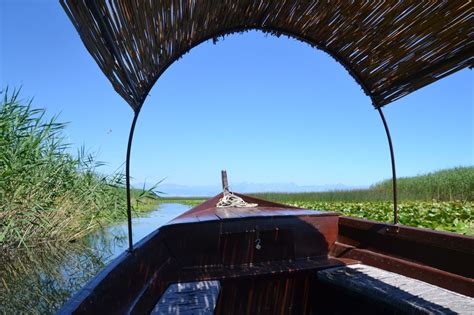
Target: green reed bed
column 442, row 200
column 46, row 193
column 445, row 185
column 449, row 184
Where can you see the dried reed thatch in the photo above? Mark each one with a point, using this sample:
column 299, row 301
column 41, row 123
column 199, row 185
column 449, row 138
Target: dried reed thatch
column 391, row 48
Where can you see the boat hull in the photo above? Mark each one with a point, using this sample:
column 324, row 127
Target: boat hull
column 267, row 258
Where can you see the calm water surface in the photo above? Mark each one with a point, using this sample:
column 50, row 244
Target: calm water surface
column 41, row 282
column 113, row 240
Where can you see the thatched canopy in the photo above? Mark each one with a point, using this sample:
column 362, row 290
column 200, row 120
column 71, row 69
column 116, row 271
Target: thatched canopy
column 391, row 48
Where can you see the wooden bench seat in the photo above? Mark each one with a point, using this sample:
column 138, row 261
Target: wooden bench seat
column 189, row 298
column 402, row 293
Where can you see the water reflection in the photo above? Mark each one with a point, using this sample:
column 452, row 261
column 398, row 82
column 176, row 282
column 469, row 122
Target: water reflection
column 40, row 282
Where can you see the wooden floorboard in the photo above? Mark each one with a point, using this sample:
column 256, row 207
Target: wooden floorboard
column 405, row 294
column 261, row 269
column 197, row 298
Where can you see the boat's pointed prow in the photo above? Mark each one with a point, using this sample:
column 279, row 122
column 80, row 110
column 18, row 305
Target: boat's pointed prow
column 232, row 205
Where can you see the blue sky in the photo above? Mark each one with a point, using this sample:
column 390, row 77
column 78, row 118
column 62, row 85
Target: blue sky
column 267, row 109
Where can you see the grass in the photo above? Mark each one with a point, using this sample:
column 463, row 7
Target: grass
column 46, row 193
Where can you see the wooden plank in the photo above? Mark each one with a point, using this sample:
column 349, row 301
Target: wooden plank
column 450, row 252
column 302, row 212
column 207, row 217
column 423, row 272
column 233, row 212
column 183, row 219
column 403, row 293
column 258, row 269
column 282, row 294
column 227, row 213
column 189, row 298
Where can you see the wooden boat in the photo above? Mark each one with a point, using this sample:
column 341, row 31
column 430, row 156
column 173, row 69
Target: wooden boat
column 270, row 258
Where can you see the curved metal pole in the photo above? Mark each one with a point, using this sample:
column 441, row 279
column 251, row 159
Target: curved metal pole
column 92, row 5
column 127, row 181
column 394, row 173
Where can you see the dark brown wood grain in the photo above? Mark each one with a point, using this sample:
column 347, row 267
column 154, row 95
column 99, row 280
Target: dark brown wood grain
column 451, row 252
column 203, row 244
column 440, row 258
column 268, row 295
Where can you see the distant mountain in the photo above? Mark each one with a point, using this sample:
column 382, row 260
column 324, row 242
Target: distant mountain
column 245, row 187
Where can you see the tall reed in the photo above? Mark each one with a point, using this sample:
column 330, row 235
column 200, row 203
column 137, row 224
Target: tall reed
column 445, row 185
column 46, row 193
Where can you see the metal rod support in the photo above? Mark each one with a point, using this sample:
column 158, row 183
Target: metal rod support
column 394, row 173
column 127, row 181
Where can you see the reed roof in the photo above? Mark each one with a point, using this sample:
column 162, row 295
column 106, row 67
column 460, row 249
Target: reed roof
column 391, row 48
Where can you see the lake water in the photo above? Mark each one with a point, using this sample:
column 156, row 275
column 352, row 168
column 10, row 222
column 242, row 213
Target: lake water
column 113, row 240
column 41, row 282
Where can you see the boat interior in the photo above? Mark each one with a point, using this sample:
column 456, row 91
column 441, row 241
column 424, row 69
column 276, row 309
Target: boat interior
column 270, row 258
column 276, row 259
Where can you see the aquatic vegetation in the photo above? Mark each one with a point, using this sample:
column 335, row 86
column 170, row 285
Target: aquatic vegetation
column 452, row 216
column 442, row 200
column 40, row 283
column 189, row 201
column 48, row 194
column 445, row 185
column 41, row 280
column 449, row 184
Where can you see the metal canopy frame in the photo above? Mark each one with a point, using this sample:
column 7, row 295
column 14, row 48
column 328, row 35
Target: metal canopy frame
column 118, row 34
column 113, row 48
